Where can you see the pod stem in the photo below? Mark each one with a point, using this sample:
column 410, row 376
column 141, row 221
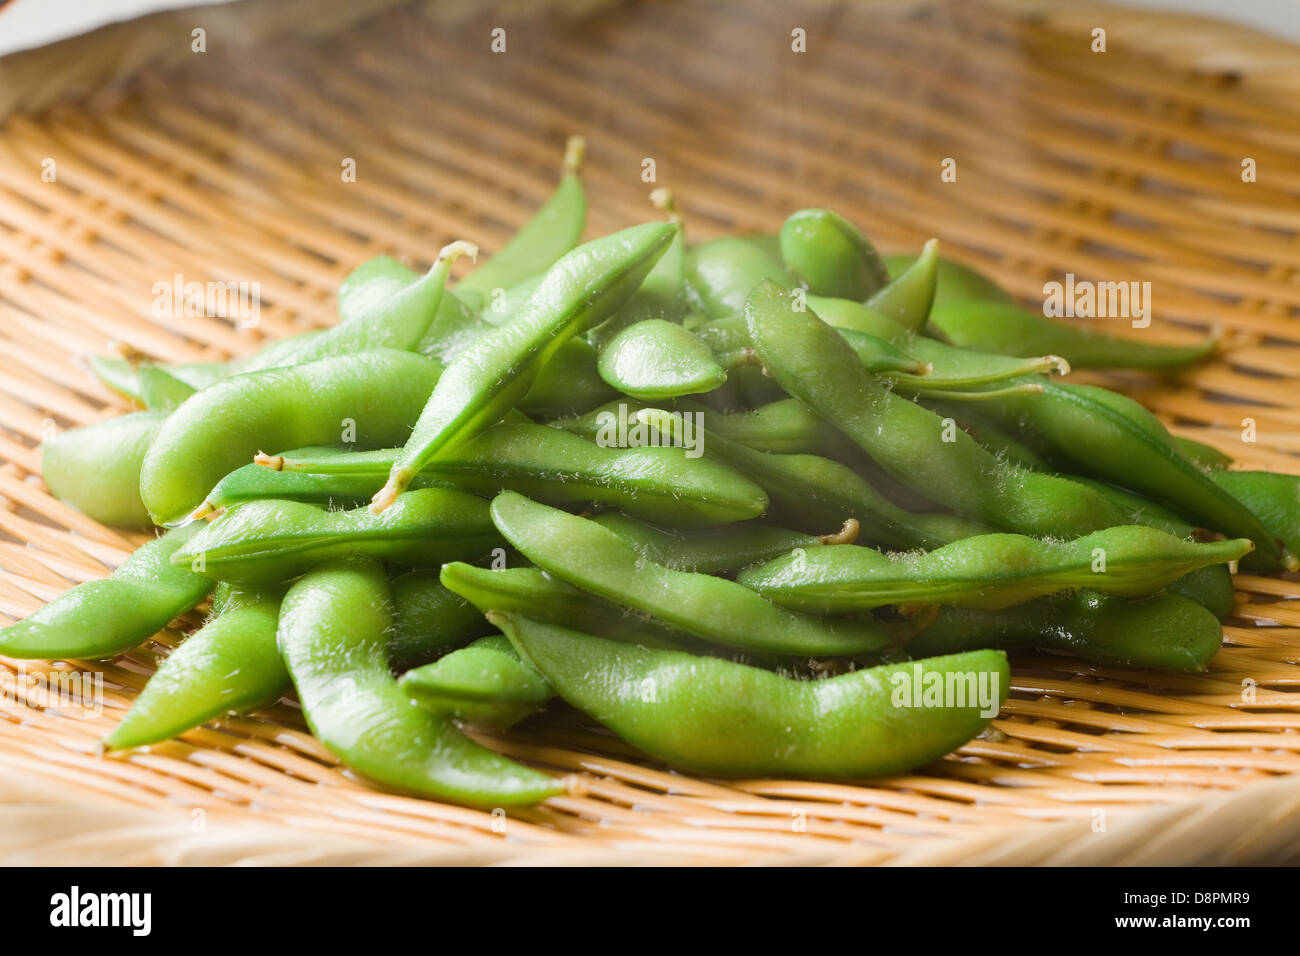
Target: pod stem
column 274, row 462
column 575, row 154
column 846, row 535
column 454, row 250
column 385, row 496
column 665, row 201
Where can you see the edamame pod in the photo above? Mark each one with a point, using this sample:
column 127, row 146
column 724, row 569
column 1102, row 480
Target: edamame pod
column 661, row 484
column 484, row 684
column 956, row 282
column 1116, row 439
column 988, row 572
column 1199, row 453
column 720, row 274
column 716, row 716
column 532, row 591
column 428, row 620
column 554, row 229
column 663, row 293
column 332, row 635
column 98, row 619
column 375, row 395
column 156, row 387
column 1010, row 330
column 569, row 383
column 399, row 320
column 230, row 664
column 587, row 556
column 656, row 359
column 96, row 469
column 813, row 363
column 909, row 295
column 257, row 482
column 267, row 541
column 809, row 491
column 1165, row 631
column 828, row 255
column 718, row 550
column 1273, row 498
column 583, row 288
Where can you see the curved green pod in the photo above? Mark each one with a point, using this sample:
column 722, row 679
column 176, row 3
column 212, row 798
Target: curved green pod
column 716, row 716
column 485, row 684
column 98, row 619
column 1165, row 631
column 372, row 398
column 533, row 591
column 267, row 541
column 428, row 620
column 96, row 469
column 232, row 663
column 955, row 282
column 332, row 636
column 587, row 556
column 664, row 484
column 908, row 297
column 655, row 359
column 912, row 444
column 1272, row 498
column 829, row 256
column 569, row 383
column 987, row 572
column 585, row 287
column 552, row 231
column 1113, row 437
column 721, row 272
column 1011, row 330
column 717, row 550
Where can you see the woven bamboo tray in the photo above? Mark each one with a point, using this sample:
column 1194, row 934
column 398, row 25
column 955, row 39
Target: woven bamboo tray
column 1115, row 165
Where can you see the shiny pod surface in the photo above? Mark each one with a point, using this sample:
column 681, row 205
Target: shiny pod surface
column 716, row 716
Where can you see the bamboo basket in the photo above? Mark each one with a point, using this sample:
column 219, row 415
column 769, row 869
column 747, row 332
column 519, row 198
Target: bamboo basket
column 1122, row 164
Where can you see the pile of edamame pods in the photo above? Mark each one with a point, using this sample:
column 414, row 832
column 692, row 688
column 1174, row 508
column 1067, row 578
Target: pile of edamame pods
column 730, row 499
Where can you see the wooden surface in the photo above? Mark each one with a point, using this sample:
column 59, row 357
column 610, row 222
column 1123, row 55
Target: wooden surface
column 1111, row 166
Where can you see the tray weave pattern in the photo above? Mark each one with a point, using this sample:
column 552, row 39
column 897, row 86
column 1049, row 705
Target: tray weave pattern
column 1110, row 166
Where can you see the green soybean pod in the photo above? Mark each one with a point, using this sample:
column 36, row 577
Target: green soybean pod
column 656, row 359
column 587, row 556
column 1273, row 498
column 267, row 541
column 786, row 426
column 428, row 620
column 156, row 387
column 813, row 363
column 720, row 273
column 333, row 637
column 569, row 383
column 667, row 483
column 718, row 550
column 554, row 229
column 96, row 468
column 810, row 492
column 1199, row 453
column 230, row 664
column 485, row 684
column 663, row 293
column 829, row 256
column 716, row 716
column 378, row 394
column 487, row 380
column 955, row 282
column 908, row 297
column 257, row 482
column 1164, row 631
column 1011, row 330
column 987, row 572
column 1115, row 438
column 946, row 367
column 532, row 591
column 98, row 619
